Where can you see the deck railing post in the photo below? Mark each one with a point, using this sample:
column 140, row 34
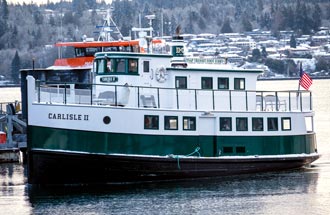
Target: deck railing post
column 276, row 101
column 289, row 101
column 301, row 108
column 64, row 93
column 230, row 107
column 310, row 101
column 177, row 99
column 158, row 97
column 115, row 95
column 195, row 99
column 213, row 99
column 138, row 94
column 246, row 101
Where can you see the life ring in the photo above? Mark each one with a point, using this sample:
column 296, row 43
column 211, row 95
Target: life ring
column 161, row 74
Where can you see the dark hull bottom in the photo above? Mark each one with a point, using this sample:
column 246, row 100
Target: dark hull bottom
column 65, row 168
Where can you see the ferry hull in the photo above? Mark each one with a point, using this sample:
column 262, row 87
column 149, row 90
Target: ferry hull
column 49, row 167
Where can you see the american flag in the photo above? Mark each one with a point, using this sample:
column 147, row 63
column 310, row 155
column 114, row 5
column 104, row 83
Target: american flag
column 305, row 81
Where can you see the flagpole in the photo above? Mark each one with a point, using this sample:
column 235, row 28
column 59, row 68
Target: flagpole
column 298, row 92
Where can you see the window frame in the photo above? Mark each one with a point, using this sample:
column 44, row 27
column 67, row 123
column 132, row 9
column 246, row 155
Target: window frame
column 226, row 87
column 183, row 123
column 268, row 123
column 146, row 66
column 282, row 124
column 238, row 124
column 221, row 119
column 151, row 127
column 204, row 84
column 178, row 78
column 262, row 123
column 238, row 80
column 166, row 118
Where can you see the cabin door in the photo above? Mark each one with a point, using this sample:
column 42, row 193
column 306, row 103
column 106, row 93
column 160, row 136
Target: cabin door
column 207, row 128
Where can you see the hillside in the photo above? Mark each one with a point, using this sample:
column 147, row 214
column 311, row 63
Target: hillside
column 30, row 30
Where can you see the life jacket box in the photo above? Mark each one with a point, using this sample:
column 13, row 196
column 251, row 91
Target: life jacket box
column 3, row 137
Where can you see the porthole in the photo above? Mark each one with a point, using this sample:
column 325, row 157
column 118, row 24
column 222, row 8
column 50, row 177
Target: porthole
column 106, row 120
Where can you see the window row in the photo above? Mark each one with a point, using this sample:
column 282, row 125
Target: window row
column 170, row 122
column 207, row 83
column 189, row 123
column 117, row 65
column 257, row 124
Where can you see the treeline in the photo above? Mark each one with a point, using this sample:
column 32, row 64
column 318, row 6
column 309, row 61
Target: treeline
column 28, row 29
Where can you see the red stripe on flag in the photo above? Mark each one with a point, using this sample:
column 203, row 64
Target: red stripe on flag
column 305, row 81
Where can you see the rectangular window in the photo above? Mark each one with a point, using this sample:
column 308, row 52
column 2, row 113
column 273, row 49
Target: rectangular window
column 239, row 83
column 225, row 124
column 272, row 124
column 171, row 123
column 227, row 149
column 207, row 83
column 241, row 124
column 223, row 83
column 240, row 149
column 257, row 124
column 132, row 66
column 189, row 123
column 146, row 66
column 100, row 66
column 181, row 82
column 286, row 124
column 151, row 122
column 119, row 65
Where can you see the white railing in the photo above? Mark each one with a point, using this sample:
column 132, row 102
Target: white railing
column 169, row 98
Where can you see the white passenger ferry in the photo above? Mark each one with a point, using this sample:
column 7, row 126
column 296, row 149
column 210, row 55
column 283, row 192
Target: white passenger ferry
column 149, row 117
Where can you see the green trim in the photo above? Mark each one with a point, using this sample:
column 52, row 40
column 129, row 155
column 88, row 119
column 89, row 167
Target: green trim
column 98, row 142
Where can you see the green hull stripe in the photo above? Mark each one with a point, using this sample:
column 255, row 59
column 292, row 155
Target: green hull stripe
column 210, row 146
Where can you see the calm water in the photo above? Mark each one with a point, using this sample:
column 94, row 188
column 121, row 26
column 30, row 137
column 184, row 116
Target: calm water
column 305, row 191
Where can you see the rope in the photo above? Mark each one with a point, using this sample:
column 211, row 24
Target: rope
column 178, row 156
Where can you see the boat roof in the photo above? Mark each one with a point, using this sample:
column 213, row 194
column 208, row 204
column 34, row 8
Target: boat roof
column 103, row 43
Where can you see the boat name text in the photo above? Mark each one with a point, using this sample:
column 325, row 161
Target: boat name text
column 68, row 116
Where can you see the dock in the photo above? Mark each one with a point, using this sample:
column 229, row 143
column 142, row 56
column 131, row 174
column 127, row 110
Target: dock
column 12, row 133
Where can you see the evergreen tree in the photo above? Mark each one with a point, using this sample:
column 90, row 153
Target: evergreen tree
column 226, row 28
column 4, row 11
column 15, row 67
column 316, row 17
column 246, row 24
column 256, row 55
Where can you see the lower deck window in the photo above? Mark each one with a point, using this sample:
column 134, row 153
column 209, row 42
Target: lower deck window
column 189, row 123
column 171, row 123
column 272, row 124
column 225, row 123
column 151, row 122
column 257, row 124
column 240, row 149
column 286, row 124
column 241, row 124
column 227, row 149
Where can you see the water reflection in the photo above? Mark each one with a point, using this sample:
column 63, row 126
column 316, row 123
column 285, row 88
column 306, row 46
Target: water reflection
column 248, row 194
